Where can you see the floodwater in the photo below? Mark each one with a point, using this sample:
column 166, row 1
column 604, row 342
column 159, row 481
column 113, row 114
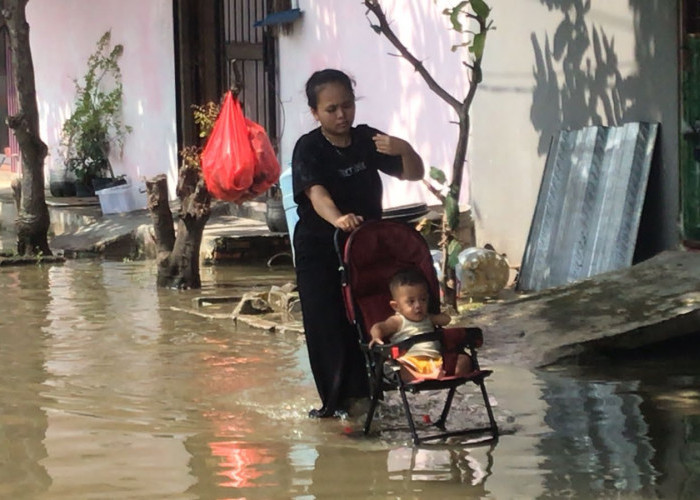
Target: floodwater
column 109, row 390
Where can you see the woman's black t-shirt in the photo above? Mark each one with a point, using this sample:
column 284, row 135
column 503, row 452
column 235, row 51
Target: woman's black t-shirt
column 349, row 174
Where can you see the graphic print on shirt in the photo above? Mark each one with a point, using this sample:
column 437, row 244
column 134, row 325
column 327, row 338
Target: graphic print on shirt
column 352, row 170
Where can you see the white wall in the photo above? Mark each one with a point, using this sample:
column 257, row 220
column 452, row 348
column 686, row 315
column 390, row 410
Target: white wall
column 530, row 90
column 64, row 34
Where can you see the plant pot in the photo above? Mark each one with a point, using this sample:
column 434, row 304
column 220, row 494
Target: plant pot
column 62, row 188
column 60, row 185
column 82, row 190
column 275, row 216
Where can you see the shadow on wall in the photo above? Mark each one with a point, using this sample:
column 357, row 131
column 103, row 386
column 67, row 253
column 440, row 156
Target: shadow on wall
column 593, row 91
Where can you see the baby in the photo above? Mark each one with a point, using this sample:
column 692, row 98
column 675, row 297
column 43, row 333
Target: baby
column 409, row 292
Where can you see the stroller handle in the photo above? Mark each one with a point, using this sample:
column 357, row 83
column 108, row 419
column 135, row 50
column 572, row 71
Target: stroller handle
column 339, row 248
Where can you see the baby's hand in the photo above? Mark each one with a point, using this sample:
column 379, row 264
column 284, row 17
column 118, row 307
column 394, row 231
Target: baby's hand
column 374, row 342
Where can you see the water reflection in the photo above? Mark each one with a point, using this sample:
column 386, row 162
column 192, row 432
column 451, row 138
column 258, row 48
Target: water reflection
column 109, row 386
column 627, row 424
column 109, row 390
column 601, row 427
column 690, row 455
column 450, row 464
column 23, row 420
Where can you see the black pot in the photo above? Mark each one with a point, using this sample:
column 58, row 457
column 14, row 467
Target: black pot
column 62, row 188
column 59, row 185
column 406, row 213
column 274, row 216
column 82, row 190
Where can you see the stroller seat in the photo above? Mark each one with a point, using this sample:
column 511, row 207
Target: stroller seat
column 371, row 255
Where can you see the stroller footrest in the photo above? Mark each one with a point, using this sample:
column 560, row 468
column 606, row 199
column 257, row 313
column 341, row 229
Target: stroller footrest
column 477, row 376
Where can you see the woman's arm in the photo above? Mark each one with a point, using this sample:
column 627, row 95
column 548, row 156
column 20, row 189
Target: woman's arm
column 413, row 169
column 326, row 208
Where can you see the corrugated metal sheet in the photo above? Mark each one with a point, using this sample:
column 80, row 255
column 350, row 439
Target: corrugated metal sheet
column 589, row 205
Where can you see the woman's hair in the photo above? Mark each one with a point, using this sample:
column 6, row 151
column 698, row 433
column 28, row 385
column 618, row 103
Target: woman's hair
column 320, row 78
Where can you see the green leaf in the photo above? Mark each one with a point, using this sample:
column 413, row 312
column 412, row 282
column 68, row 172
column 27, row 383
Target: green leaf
column 452, row 212
column 453, row 249
column 454, row 19
column 438, row 175
column 477, row 47
column 454, row 15
column 480, row 8
column 376, row 28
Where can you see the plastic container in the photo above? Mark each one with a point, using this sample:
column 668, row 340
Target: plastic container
column 290, row 207
column 124, row 198
column 437, row 262
column 481, row 273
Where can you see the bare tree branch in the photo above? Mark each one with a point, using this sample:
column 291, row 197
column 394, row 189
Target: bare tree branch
column 436, row 192
column 451, row 200
column 376, row 9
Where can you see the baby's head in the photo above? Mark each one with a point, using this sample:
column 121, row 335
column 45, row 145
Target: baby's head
column 409, row 294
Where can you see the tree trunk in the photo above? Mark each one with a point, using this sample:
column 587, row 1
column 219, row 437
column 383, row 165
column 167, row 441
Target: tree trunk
column 450, row 222
column 33, row 216
column 178, row 251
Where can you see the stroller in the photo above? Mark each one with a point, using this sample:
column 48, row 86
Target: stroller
column 368, row 259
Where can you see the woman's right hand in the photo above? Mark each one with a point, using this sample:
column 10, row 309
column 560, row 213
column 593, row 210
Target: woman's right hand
column 348, row 222
column 325, row 207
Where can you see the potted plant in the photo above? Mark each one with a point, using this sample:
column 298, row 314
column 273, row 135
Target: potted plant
column 96, row 125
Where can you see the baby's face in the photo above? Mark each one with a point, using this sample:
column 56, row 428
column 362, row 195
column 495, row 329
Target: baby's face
column 412, row 301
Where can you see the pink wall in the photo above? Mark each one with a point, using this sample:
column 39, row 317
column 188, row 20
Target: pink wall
column 392, row 96
column 64, row 34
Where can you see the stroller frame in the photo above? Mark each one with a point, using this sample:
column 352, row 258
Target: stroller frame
column 385, row 247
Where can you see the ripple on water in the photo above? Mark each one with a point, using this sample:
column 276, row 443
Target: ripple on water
column 106, row 390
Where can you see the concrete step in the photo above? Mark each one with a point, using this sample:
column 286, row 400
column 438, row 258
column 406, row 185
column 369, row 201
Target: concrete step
column 64, row 217
column 70, row 214
column 78, row 228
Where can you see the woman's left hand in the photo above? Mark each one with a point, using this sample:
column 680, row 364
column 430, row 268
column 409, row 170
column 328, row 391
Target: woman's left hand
column 411, row 162
column 389, row 145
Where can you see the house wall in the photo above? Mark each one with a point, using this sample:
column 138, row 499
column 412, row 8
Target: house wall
column 545, row 68
column 612, row 64
column 64, row 34
column 391, row 96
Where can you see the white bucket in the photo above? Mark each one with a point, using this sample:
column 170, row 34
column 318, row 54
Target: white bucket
column 290, row 208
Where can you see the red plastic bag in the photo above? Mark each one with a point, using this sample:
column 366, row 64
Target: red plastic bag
column 267, row 168
column 238, row 161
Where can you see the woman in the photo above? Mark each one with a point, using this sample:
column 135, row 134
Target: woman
column 337, row 185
